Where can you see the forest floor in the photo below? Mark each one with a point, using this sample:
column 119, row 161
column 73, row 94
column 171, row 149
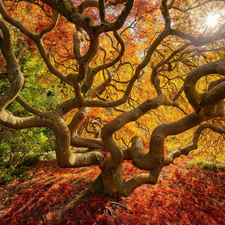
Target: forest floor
column 183, row 195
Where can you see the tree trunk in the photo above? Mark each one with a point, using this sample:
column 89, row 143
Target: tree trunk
column 105, row 185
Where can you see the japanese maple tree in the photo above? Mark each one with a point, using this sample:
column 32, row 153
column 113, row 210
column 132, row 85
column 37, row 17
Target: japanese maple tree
column 155, row 65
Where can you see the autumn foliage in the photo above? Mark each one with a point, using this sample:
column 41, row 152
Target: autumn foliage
column 183, row 195
column 120, row 84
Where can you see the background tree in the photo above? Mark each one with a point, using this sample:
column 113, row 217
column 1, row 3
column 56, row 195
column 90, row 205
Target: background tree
column 155, row 65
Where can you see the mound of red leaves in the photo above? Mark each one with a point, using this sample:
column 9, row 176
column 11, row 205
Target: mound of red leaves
column 183, row 195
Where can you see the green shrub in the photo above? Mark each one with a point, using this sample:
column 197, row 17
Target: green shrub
column 25, row 176
column 20, row 150
column 30, row 160
column 7, row 175
column 16, row 172
column 206, row 164
column 17, row 146
column 47, row 157
column 5, row 178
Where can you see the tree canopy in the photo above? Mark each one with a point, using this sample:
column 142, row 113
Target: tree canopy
column 138, row 81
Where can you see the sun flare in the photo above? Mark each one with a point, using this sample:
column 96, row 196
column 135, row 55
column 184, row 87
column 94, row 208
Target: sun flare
column 212, row 19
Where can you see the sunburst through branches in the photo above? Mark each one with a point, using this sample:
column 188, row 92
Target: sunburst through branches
column 212, row 20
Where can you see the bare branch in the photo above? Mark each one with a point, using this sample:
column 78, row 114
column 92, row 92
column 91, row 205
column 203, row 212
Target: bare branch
column 102, row 10
column 21, row 50
column 27, row 106
column 125, row 188
column 217, row 67
column 52, row 26
column 12, row 67
column 194, row 145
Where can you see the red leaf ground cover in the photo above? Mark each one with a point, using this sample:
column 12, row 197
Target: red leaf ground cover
column 183, row 195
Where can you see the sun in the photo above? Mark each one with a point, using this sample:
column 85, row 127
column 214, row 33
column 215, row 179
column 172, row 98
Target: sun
column 212, row 20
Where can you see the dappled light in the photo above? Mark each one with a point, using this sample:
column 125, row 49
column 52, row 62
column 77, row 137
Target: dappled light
column 184, row 195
